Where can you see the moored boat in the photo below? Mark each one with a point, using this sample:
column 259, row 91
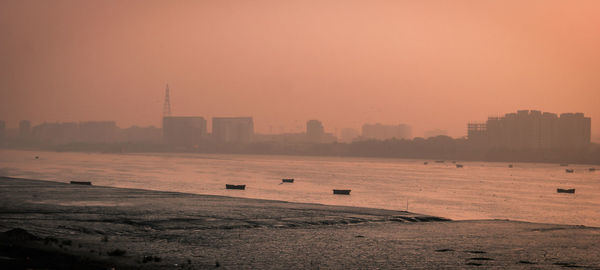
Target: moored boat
column 287, row 180
column 459, row 165
column 565, row 190
column 510, row 165
column 569, row 170
column 425, row 163
column 86, row 183
column 228, row 186
column 342, row 191
column 592, row 169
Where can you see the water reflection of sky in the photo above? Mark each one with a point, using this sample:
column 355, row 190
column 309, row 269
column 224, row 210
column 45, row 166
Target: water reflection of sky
column 480, row 190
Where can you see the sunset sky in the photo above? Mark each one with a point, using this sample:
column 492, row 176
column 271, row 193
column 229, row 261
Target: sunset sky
column 429, row 64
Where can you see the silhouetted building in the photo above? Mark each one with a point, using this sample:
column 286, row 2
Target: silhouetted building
column 56, row 133
column 533, row 130
column 233, row 129
column 477, row 133
column 184, row 130
column 384, row 132
column 574, row 130
column 314, row 130
column 24, row 129
column 435, row 133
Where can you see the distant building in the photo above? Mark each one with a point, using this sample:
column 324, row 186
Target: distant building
column 184, row 130
column 435, row 133
column 348, row 135
column 477, row 133
column 24, row 129
column 314, row 130
column 533, row 130
column 384, row 132
column 56, row 133
column 233, row 129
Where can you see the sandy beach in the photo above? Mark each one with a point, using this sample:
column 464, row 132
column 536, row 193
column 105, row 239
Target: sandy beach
column 56, row 225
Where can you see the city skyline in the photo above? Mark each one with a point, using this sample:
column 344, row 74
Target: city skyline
column 421, row 64
column 299, row 134
column 402, row 134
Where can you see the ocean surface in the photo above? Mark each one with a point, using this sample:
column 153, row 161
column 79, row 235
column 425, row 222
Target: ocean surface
column 479, row 190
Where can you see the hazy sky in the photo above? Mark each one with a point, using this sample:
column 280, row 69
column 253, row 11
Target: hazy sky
column 430, row 64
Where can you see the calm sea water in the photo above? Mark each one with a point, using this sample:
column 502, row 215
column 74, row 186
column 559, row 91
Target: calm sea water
column 480, row 190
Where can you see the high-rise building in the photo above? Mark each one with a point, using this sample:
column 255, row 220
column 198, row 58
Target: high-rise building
column 184, row 131
column 533, row 130
column 384, row 132
column 574, row 130
column 233, row 129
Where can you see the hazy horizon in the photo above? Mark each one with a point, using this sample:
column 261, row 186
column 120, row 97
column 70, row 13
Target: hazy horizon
column 428, row 64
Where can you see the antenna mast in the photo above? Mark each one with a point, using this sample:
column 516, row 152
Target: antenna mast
column 167, row 105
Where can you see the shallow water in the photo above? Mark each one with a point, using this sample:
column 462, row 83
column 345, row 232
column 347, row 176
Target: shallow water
column 480, row 190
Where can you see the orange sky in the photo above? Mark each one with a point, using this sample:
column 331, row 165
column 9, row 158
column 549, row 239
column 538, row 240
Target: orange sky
column 430, row 64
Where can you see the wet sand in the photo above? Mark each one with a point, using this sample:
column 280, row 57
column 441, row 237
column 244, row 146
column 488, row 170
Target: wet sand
column 75, row 226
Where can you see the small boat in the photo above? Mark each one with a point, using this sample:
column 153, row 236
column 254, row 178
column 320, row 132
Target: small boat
column 342, row 191
column 564, row 164
column 425, row 163
column 592, row 169
column 37, row 157
column 569, row 170
column 87, row 183
column 439, row 161
column 565, row 190
column 459, row 165
column 287, row 180
column 228, row 186
column 510, row 165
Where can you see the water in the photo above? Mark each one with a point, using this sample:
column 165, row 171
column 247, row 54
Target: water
column 480, row 190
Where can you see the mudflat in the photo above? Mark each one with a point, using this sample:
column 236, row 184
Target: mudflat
column 55, row 225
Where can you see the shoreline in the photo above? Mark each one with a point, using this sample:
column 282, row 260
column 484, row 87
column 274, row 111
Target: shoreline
column 429, row 158
column 144, row 229
column 337, row 207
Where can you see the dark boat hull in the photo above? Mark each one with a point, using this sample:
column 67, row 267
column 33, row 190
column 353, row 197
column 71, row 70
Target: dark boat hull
column 228, row 186
column 569, row 170
column 287, row 180
column 86, row 183
column 563, row 190
column 341, row 191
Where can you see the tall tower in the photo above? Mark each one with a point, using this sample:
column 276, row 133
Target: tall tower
column 167, row 105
